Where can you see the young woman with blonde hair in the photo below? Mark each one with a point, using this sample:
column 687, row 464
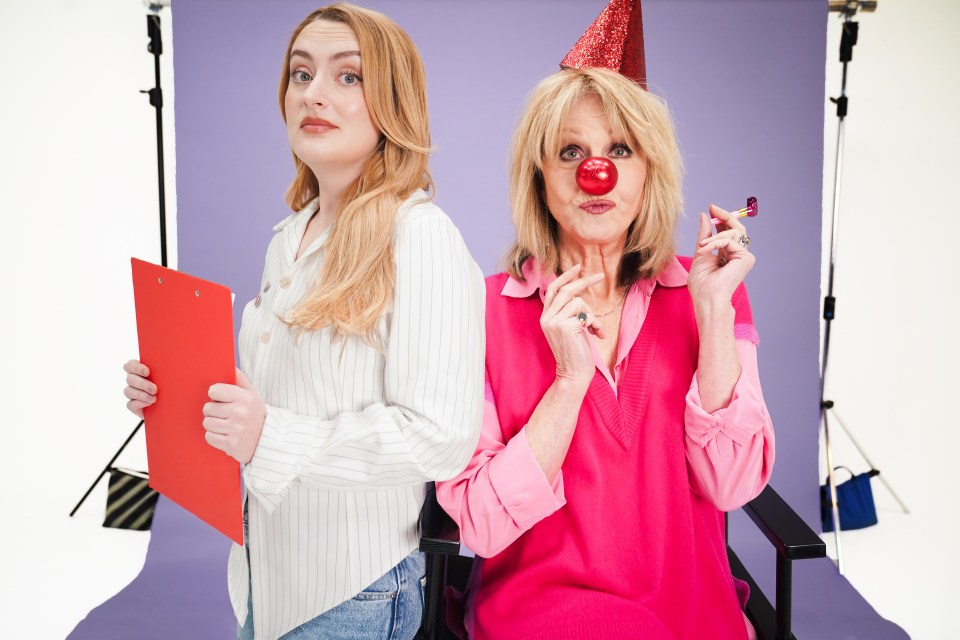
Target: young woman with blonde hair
column 361, row 373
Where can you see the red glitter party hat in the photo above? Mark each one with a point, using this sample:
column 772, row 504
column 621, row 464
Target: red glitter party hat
column 613, row 41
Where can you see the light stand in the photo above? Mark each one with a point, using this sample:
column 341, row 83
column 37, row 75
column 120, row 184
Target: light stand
column 847, row 41
column 155, row 47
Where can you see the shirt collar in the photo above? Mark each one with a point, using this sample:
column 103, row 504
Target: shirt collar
column 672, row 275
column 303, row 214
column 418, row 195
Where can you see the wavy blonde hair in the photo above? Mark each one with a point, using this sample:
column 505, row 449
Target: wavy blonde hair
column 642, row 121
column 356, row 282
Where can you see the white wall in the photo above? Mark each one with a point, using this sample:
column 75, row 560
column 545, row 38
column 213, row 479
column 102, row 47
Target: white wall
column 894, row 347
column 78, row 198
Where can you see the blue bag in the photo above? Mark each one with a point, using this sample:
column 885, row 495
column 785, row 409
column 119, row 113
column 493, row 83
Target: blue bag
column 854, row 502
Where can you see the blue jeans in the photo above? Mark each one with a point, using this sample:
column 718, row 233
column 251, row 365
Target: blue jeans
column 389, row 609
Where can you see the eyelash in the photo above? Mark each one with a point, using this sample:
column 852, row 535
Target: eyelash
column 295, row 73
column 295, row 76
column 619, row 146
column 347, row 72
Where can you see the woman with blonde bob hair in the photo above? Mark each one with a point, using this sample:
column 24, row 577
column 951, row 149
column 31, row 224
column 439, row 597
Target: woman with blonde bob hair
column 636, row 116
column 623, row 412
column 361, row 356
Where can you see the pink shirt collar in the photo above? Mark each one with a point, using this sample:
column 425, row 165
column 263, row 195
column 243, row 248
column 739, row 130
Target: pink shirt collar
column 673, row 275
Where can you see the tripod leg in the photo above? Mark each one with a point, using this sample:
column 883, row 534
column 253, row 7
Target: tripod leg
column 107, row 468
column 833, row 488
column 869, row 461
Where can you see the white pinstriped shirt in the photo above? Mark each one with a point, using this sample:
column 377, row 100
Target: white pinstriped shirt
column 337, row 481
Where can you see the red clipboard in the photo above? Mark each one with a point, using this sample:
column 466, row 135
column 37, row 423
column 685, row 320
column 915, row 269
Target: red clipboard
column 185, row 331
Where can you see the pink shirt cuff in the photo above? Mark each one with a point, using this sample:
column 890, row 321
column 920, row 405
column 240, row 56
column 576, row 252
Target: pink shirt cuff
column 730, row 452
column 738, row 421
column 521, row 486
column 502, row 493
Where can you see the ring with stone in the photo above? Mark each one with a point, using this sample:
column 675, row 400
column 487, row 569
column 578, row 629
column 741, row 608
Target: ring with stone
column 744, row 240
column 582, row 317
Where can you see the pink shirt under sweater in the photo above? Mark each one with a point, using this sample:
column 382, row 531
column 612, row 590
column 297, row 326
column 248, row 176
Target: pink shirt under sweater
column 729, row 452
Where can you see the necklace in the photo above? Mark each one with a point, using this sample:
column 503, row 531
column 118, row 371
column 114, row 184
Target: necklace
column 617, row 306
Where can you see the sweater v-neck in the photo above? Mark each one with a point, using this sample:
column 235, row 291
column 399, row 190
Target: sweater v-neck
column 622, row 418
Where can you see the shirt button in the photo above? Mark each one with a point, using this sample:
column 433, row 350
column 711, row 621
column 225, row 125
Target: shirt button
column 266, row 288
column 284, row 282
column 265, row 337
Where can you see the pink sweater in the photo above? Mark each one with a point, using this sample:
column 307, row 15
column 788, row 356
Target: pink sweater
column 578, row 559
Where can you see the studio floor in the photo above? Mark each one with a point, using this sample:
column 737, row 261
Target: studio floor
column 67, row 567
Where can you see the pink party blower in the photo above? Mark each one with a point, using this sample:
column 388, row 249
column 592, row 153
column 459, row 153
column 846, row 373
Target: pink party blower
column 748, row 211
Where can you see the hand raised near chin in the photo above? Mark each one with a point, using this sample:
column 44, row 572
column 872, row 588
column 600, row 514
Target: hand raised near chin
column 567, row 322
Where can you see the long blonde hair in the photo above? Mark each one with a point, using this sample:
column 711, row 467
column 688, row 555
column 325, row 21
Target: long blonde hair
column 356, row 282
column 642, row 120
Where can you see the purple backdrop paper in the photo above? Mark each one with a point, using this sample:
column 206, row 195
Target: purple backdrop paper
column 180, row 592
column 744, row 80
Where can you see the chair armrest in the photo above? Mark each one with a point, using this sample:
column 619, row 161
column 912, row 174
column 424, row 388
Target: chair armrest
column 759, row 610
column 792, row 537
column 793, row 540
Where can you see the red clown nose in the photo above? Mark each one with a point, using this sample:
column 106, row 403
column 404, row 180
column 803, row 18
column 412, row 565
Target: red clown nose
column 597, row 176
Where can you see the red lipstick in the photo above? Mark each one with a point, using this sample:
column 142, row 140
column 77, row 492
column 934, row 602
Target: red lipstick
column 316, row 125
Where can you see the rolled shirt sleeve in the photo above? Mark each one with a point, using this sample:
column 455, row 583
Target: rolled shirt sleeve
column 503, row 491
column 730, row 452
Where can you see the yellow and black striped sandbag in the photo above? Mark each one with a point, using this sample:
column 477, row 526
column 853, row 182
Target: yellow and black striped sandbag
column 130, row 500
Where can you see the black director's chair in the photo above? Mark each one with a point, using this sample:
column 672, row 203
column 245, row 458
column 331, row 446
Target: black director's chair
column 789, row 534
